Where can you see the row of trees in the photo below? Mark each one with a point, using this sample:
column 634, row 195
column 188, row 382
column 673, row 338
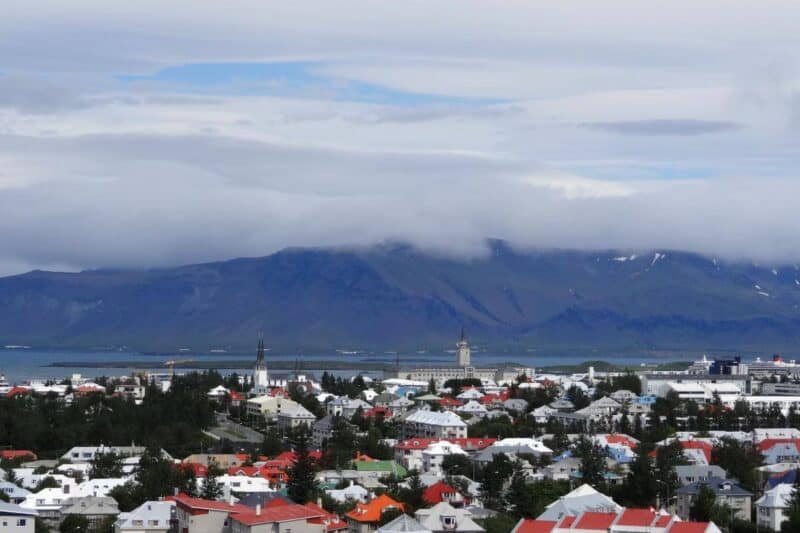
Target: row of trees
column 173, row 420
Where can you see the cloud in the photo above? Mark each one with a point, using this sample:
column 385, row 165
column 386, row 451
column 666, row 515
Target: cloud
column 665, row 127
column 151, row 200
column 206, row 133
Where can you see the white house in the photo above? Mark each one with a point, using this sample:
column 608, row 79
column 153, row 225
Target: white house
column 443, row 425
column 433, row 455
column 16, row 519
column 150, row 517
column 772, row 506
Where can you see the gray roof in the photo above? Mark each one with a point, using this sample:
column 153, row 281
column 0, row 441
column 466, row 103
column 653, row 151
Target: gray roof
column 404, row 523
column 91, row 505
column 584, row 498
column 707, row 471
column 719, row 485
column 9, row 509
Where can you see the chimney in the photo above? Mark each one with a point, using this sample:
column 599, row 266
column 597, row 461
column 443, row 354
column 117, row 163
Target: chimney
column 319, row 501
column 258, row 509
column 230, row 499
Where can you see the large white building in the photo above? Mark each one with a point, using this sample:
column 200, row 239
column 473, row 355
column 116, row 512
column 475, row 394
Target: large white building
column 439, row 424
column 463, row 369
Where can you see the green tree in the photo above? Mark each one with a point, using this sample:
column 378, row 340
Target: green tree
column 792, row 514
column 74, row 523
column 640, row 485
column 432, row 386
column 457, row 465
column 127, row 496
column 154, row 476
column 519, row 497
column 47, row 482
column 702, row 504
column 494, row 477
column 739, row 460
column 272, row 444
column 341, row 445
column 106, row 465
column 667, row 458
column 302, row 485
column 412, row 496
column 211, row 489
column 593, row 462
column 499, row 523
column 40, row 526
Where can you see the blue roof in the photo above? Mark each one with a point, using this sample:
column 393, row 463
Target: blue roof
column 788, row 477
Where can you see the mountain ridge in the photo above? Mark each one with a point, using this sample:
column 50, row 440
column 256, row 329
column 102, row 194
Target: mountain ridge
column 395, row 297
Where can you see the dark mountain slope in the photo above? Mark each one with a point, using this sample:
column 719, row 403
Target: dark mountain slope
column 397, row 298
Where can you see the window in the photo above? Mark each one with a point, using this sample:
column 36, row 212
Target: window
column 21, row 522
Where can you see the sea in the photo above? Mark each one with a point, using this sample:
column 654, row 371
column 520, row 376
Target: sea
column 24, row 364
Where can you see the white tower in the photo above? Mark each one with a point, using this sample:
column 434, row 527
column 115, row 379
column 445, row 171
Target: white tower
column 463, row 351
column 260, row 374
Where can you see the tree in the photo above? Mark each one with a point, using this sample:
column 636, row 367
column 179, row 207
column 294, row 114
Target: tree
column 578, row 398
column 74, row 523
column 518, row 496
column 494, row 477
column 154, row 476
column 640, row 485
column 341, row 445
column 302, row 485
column 432, row 386
column 127, row 496
column 272, row 444
column 703, row 504
column 499, row 523
column 211, row 488
column 667, row 458
column 47, row 482
column 792, row 514
column 412, row 496
column 106, row 465
column 457, row 465
column 40, row 526
column 739, row 460
column 593, row 462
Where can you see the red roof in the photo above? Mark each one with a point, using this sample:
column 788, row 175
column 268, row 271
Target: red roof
column 594, row 520
column 663, row 520
column 489, row 398
column 689, row 527
column 199, row 504
column 535, row 526
column 378, row 411
column 766, row 444
column 16, row 454
column 567, row 521
column 280, row 513
column 236, row 396
column 331, row 521
column 637, row 517
column 372, row 511
column 200, row 470
column 415, row 444
column 17, row 391
column 698, row 445
column 436, row 492
column 623, row 440
column 447, row 401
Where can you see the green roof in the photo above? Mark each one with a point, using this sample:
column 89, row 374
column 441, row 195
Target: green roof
column 388, row 466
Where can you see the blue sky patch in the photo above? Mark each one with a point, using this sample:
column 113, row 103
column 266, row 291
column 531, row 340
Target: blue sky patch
column 298, row 79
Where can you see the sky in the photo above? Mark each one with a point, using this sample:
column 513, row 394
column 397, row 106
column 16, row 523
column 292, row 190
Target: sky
column 148, row 134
